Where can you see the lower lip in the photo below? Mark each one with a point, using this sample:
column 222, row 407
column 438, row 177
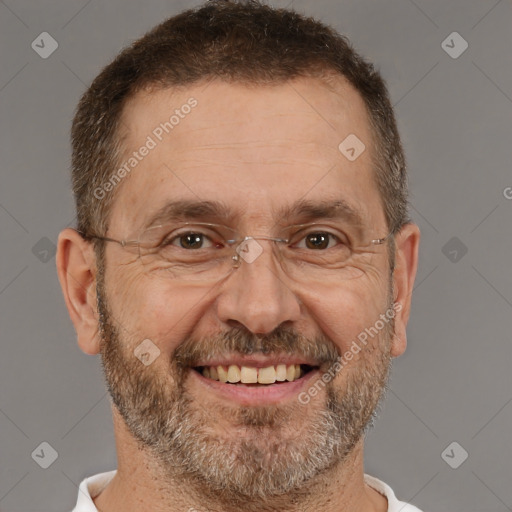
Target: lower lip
column 257, row 395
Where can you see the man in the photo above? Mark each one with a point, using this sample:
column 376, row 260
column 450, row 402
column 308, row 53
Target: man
column 243, row 263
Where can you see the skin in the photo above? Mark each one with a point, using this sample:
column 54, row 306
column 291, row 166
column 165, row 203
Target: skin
column 255, row 149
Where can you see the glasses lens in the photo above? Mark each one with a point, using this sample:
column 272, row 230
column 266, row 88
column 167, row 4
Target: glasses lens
column 196, row 252
column 323, row 254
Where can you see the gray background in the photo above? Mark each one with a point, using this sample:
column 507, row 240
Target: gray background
column 454, row 382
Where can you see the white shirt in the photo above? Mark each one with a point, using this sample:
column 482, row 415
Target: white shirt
column 94, row 485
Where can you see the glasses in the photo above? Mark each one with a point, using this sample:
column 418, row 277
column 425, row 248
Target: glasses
column 207, row 253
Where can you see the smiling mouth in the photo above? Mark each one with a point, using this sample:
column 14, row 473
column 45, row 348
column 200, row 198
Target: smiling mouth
column 255, row 376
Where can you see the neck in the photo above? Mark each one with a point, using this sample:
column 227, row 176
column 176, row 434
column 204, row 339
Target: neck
column 141, row 484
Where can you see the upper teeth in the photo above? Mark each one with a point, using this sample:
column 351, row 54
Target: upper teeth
column 252, row 375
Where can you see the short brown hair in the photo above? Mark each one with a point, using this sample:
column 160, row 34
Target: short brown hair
column 235, row 41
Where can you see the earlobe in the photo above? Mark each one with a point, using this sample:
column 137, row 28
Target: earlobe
column 76, row 268
column 406, row 263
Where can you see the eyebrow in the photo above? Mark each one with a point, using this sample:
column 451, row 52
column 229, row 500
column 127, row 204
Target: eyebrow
column 185, row 209
column 306, row 210
column 301, row 211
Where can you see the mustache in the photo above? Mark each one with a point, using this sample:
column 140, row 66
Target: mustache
column 243, row 342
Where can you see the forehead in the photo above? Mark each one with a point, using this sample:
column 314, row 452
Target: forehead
column 255, row 149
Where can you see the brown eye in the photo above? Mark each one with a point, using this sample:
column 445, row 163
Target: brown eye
column 191, row 241
column 317, row 240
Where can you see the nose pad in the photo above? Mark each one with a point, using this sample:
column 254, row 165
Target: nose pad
column 236, row 260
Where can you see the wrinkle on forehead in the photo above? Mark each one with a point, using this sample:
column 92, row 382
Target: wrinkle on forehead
column 254, row 141
column 236, row 104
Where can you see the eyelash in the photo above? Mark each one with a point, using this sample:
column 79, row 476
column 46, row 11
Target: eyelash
column 329, row 234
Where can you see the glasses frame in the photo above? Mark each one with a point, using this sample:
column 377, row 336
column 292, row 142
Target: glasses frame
column 237, row 260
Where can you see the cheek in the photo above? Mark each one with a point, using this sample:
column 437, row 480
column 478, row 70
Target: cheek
column 155, row 309
column 343, row 312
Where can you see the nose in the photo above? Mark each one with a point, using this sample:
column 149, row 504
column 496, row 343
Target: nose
column 258, row 294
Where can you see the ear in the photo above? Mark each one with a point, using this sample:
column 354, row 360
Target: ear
column 407, row 242
column 76, row 268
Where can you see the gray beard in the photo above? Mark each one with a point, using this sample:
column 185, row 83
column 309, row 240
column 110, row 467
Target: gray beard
column 268, row 457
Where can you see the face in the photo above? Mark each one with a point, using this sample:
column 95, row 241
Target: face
column 261, row 153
